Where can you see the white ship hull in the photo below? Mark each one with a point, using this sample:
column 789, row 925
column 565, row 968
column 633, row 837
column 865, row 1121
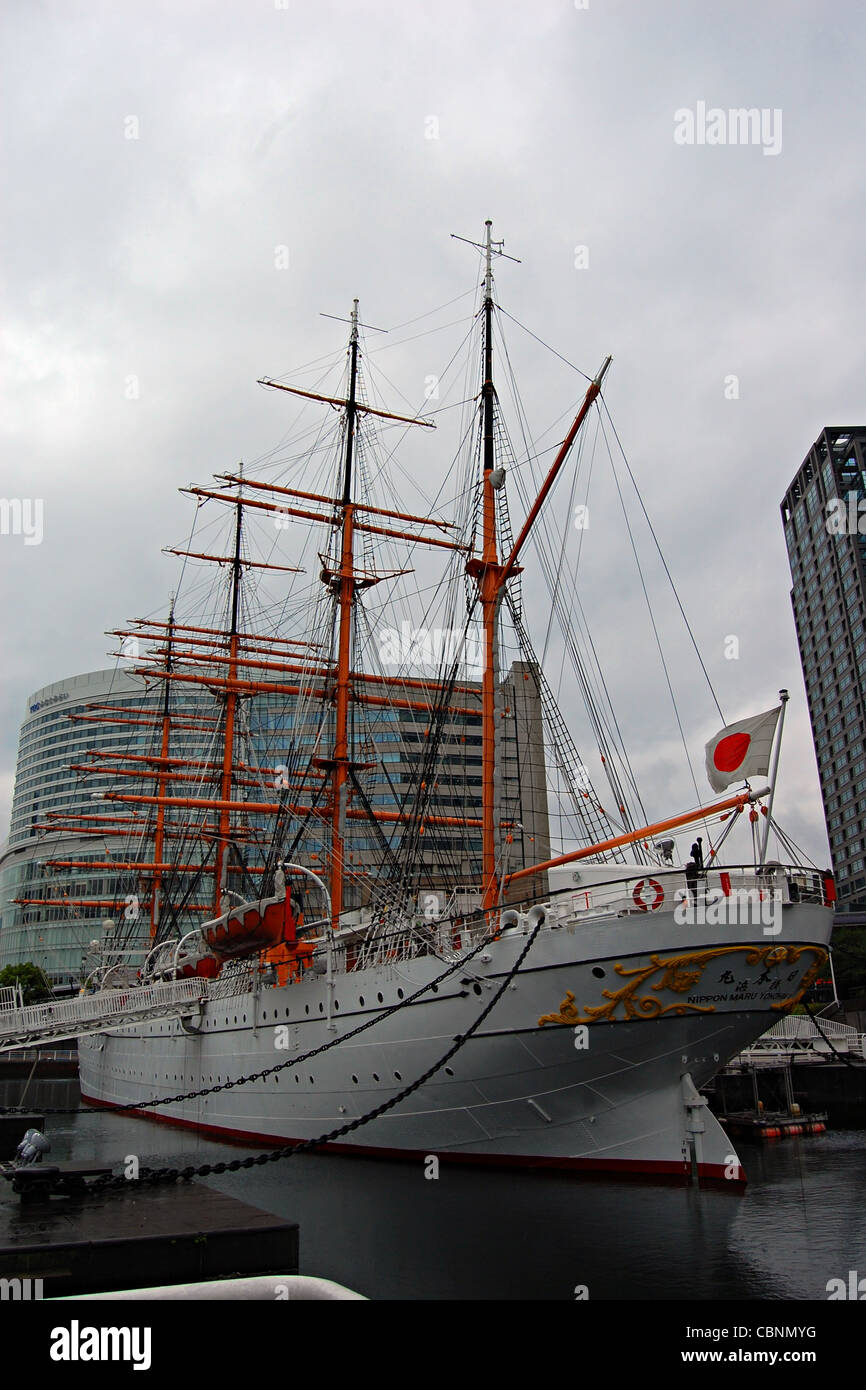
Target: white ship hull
column 606, row 1082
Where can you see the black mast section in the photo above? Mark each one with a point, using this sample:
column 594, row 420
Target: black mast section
column 351, row 412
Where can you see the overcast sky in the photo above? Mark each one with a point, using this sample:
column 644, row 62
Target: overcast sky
column 155, row 157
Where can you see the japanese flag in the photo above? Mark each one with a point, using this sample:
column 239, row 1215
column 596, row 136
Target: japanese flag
column 741, row 750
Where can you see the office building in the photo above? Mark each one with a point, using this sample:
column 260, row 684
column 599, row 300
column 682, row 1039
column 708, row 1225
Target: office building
column 824, row 518
column 57, row 896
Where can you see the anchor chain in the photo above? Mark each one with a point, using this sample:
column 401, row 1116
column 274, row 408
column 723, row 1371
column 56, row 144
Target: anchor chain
column 153, row 1176
column 268, row 1071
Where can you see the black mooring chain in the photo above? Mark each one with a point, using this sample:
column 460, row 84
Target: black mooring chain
column 153, row 1176
column 268, row 1071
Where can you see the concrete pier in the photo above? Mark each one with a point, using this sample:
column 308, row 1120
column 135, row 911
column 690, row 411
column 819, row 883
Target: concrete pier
column 148, row 1236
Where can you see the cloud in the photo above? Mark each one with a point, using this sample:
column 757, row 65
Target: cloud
column 144, row 298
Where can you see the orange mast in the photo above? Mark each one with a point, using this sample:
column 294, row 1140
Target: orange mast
column 345, row 582
column 491, row 576
column 643, row 832
column 242, row 654
column 159, row 833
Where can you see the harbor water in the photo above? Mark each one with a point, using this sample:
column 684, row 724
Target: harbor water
column 395, row 1230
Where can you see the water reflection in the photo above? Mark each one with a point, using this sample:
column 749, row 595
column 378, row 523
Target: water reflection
column 388, row 1231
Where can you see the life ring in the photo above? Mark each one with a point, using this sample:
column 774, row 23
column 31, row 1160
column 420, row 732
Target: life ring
column 637, row 895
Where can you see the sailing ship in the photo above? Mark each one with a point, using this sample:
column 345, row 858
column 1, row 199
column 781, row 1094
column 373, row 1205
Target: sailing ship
column 447, row 985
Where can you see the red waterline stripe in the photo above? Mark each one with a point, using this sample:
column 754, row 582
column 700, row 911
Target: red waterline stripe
column 665, row 1169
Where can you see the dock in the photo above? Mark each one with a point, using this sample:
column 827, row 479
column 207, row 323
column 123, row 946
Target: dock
column 764, row 1125
column 803, row 1074
column 98, row 1242
column 41, row 1062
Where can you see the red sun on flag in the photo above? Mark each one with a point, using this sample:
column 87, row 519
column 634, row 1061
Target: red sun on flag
column 730, row 752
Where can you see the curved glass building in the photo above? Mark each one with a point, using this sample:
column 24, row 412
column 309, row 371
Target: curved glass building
column 51, row 912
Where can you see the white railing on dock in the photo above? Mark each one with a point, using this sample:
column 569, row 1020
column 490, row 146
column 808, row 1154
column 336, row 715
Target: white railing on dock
column 46, row 1054
column 801, row 1026
column 8, row 998
column 797, row 1035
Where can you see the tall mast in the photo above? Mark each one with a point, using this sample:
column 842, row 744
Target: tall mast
column 159, row 834
column 351, row 409
column 486, row 570
column 223, row 833
column 348, row 516
column 489, row 596
column 345, row 588
column 491, row 575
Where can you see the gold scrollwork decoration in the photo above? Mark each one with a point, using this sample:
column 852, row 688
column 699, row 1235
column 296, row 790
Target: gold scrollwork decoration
column 679, row 974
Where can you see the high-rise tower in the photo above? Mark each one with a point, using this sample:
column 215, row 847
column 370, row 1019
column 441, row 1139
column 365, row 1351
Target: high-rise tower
column 824, row 516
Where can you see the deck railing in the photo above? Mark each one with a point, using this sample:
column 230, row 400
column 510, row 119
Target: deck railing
column 735, row 889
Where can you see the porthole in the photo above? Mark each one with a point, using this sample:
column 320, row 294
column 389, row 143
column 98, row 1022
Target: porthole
column 598, row 972
column 448, row 1071
column 375, row 1076
column 306, row 1008
column 297, row 1079
column 312, row 1082
column 361, row 1000
column 336, row 1003
column 354, row 1078
column 380, row 999
column 397, row 1076
column 399, row 994
column 477, row 988
column 321, row 1007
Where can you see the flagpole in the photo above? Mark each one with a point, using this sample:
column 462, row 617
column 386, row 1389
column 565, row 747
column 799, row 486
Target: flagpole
column 783, row 696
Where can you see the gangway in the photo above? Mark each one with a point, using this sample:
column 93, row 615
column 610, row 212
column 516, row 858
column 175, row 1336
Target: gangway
column 33, row 1024
column 798, row 1037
